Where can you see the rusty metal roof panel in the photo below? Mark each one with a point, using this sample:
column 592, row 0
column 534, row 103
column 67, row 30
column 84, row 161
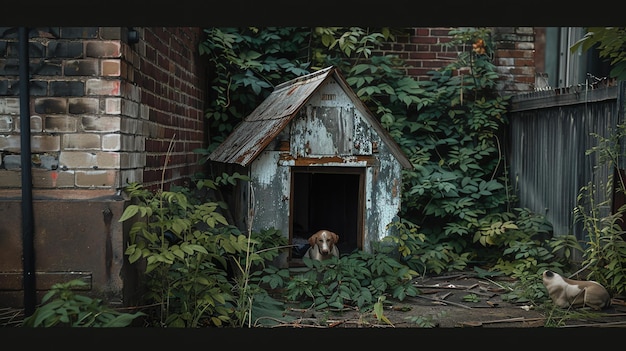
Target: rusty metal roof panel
column 258, row 129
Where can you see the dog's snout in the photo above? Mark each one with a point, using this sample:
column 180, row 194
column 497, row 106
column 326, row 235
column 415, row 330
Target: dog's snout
column 548, row 274
column 325, row 247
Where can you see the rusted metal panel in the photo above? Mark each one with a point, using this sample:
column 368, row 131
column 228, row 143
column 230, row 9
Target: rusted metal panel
column 562, row 97
column 549, row 141
column 91, row 248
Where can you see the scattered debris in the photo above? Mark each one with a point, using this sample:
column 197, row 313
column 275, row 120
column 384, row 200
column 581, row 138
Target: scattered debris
column 508, row 320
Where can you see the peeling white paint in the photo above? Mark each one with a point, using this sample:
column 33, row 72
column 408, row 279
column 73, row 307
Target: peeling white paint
column 272, row 186
column 263, row 169
column 286, row 190
column 319, row 139
column 330, row 88
column 367, row 216
column 382, row 199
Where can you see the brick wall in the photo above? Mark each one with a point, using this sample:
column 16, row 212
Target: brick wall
column 172, row 77
column 515, row 59
column 103, row 111
column 424, row 50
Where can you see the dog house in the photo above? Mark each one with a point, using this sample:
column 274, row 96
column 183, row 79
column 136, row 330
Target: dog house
column 317, row 158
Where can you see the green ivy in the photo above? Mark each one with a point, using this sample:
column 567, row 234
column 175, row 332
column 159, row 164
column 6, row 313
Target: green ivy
column 458, row 207
column 246, row 63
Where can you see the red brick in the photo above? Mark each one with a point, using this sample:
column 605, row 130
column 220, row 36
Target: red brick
column 102, row 49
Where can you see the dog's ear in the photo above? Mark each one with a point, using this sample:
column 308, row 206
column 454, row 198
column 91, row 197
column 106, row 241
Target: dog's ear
column 313, row 239
column 335, row 237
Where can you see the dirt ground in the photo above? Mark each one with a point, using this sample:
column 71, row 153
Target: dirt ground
column 455, row 300
column 461, row 300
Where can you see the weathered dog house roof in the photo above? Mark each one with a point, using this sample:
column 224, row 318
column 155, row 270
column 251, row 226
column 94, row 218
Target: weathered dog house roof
column 257, row 130
column 317, row 158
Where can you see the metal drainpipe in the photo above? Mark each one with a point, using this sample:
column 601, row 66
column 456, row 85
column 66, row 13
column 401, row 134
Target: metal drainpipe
column 28, row 247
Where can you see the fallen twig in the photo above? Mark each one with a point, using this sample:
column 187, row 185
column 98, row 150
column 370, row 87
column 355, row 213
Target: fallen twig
column 508, row 320
column 444, row 302
column 448, row 286
column 452, row 276
column 336, row 323
column 499, row 285
column 607, row 324
column 612, row 315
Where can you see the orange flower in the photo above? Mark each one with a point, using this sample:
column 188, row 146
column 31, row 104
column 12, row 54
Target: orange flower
column 479, row 47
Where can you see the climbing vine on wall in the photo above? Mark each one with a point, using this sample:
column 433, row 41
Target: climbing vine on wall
column 451, row 126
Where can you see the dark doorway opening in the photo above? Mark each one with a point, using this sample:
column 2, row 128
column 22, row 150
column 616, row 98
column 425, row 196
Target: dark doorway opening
column 329, row 198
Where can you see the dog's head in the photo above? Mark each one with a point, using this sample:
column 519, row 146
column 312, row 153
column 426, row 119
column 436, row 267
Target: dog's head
column 551, row 278
column 547, row 275
column 324, row 240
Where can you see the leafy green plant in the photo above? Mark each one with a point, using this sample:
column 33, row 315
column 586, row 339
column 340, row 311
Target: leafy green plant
column 611, row 45
column 251, row 297
column 530, row 246
column 457, row 134
column 471, row 298
column 198, row 268
column 605, row 249
column 527, row 251
column 527, row 289
column 181, row 255
column 246, row 63
column 458, row 190
column 427, row 321
column 420, row 252
column 357, row 279
column 62, row 307
column 379, row 310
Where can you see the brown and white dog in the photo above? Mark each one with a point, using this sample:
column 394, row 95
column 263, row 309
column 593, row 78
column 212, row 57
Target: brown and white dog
column 322, row 245
column 566, row 292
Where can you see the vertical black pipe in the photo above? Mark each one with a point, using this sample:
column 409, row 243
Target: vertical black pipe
column 28, row 246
